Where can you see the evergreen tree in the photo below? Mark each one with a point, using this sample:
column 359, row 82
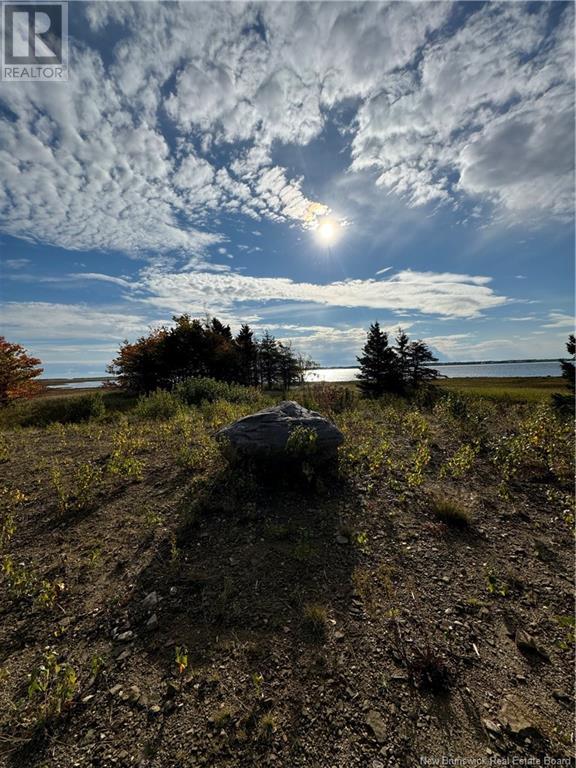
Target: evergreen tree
column 378, row 369
column 288, row 367
column 419, row 357
column 268, row 360
column 401, row 350
column 247, row 356
column 568, row 370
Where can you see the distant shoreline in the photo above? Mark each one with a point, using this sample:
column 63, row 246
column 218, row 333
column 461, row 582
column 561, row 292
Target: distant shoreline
column 467, row 362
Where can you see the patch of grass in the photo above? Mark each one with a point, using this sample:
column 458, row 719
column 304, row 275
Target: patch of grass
column 507, row 389
column 315, row 620
column 451, row 513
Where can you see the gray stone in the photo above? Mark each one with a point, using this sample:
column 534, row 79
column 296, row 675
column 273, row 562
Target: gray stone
column 528, row 645
column 265, row 434
column 515, row 715
column 152, row 622
column 150, row 600
column 377, row 725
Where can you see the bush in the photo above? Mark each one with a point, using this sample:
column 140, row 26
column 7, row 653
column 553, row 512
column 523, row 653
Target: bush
column 197, row 390
column 326, row 397
column 65, row 410
column 158, row 405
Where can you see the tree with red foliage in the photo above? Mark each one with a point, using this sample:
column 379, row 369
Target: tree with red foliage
column 17, row 373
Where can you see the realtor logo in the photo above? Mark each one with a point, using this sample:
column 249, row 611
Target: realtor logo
column 34, row 42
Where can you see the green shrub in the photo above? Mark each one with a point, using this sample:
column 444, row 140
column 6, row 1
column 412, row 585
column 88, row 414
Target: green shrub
column 197, row 390
column 65, row 410
column 158, row 405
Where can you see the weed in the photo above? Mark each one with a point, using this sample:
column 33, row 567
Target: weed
column 495, row 585
column 52, row 687
column 568, row 623
column 266, row 726
column 315, row 620
column 181, row 659
column 302, row 442
column 460, row 463
column 419, row 461
column 77, row 488
column 48, row 592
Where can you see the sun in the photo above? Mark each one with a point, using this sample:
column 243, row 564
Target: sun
column 328, row 231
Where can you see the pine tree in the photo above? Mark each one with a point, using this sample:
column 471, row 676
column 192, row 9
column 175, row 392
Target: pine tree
column 401, row 351
column 568, row 369
column 419, row 357
column 268, row 360
column 247, row 355
column 378, row 368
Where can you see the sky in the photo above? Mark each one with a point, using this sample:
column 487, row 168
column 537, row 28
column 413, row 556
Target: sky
column 306, row 168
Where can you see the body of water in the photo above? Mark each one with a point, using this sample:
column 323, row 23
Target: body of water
column 77, row 384
column 474, row 370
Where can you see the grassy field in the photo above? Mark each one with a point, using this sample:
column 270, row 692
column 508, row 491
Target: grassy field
column 522, row 389
column 159, row 607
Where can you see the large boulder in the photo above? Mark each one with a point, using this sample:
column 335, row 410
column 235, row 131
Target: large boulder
column 267, row 435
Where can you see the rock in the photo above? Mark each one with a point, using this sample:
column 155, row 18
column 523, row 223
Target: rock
column 377, row 725
column 125, row 637
column 527, row 644
column 341, row 539
column 561, row 696
column 115, row 689
column 152, row 622
column 150, row 600
column 265, row 434
column 515, row 716
column 491, row 726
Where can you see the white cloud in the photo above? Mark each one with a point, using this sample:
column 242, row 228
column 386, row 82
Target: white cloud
column 560, row 320
column 15, row 263
column 482, row 110
column 445, row 294
column 36, row 320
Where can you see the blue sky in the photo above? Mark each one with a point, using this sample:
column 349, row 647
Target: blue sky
column 307, row 168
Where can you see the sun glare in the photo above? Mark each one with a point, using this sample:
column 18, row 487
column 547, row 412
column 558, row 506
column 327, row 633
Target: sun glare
column 328, row 231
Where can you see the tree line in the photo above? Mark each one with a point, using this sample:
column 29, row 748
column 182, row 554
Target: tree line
column 394, row 368
column 208, row 348
column 193, row 348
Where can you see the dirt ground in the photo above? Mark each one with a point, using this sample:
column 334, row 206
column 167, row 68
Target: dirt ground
column 211, row 618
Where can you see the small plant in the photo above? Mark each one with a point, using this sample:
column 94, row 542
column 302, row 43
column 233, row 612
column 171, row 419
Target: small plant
column 450, row 513
column 48, row 592
column 21, row 581
column 258, row 681
column 78, row 487
column 315, row 619
column 302, row 442
column 267, row 726
column 460, row 463
column 122, row 461
column 495, row 585
column 419, row 461
column 181, row 659
column 429, row 670
column 52, row 687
